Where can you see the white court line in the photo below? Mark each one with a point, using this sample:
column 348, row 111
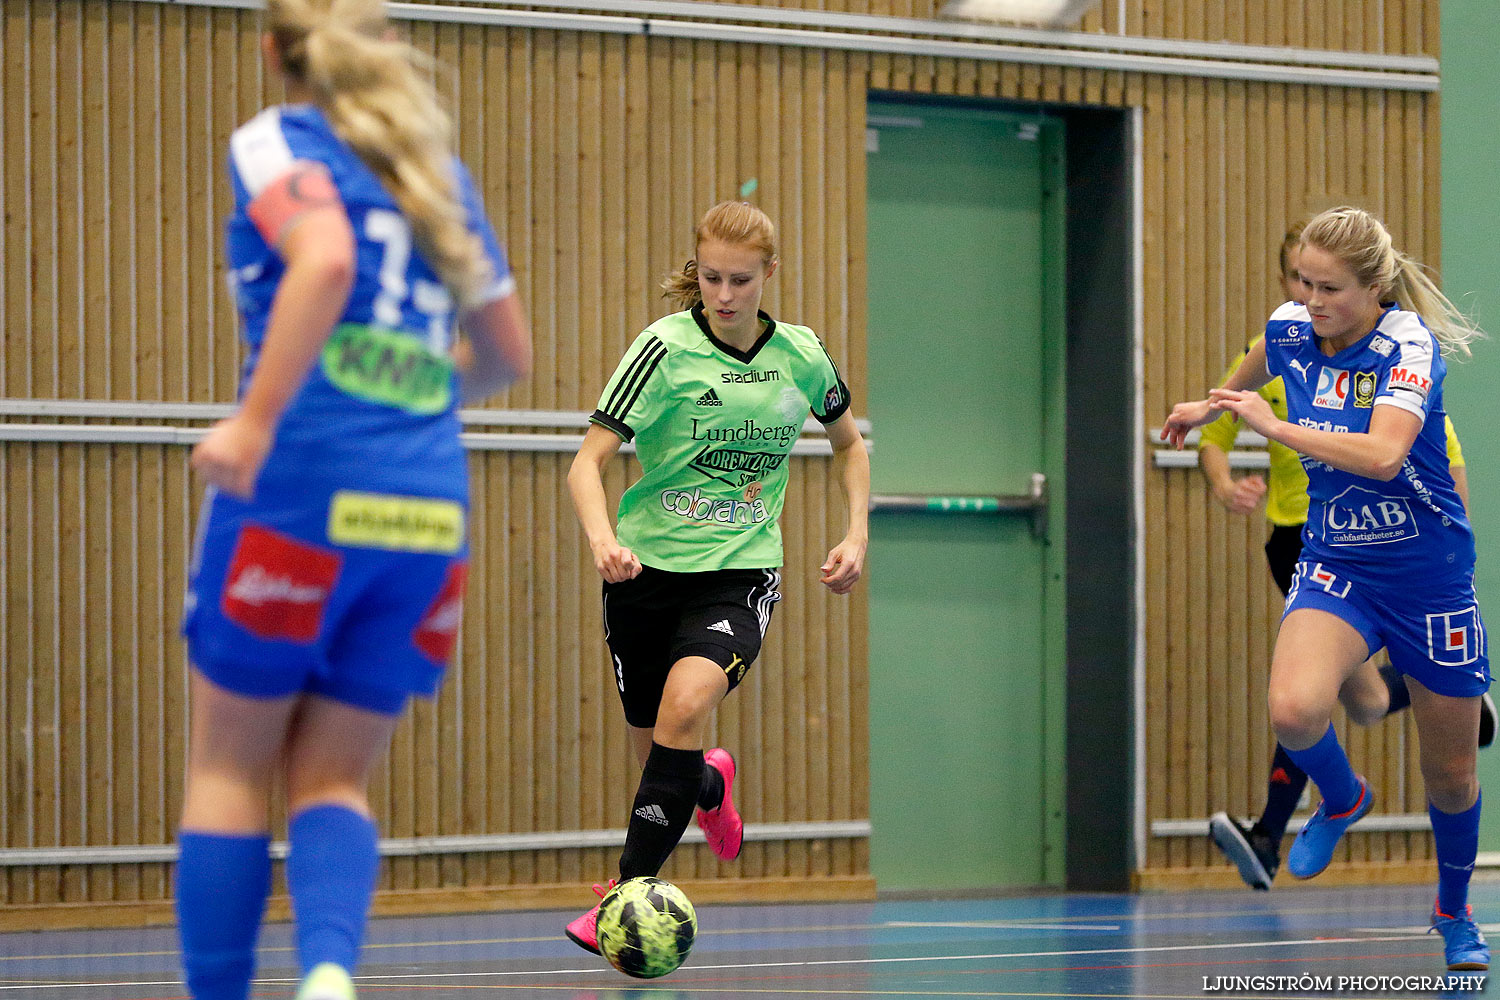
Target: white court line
column 1157, row 949
column 369, row 946
column 1062, row 922
column 1000, row 925
column 1488, row 928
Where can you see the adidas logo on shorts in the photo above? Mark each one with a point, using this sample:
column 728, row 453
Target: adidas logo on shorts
column 653, row 813
column 721, row 626
column 710, row 398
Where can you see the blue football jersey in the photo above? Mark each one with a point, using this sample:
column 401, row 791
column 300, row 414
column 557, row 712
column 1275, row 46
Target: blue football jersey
column 379, row 409
column 1411, row 531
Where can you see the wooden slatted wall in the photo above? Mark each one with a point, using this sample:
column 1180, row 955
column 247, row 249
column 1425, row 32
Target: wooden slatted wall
column 596, row 154
column 1407, row 27
column 1210, row 281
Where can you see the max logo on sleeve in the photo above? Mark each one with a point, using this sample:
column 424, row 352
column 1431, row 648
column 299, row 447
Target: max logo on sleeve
column 1413, row 381
column 278, row 586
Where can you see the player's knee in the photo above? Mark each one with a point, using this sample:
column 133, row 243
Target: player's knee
column 1451, row 784
column 226, row 802
column 1297, row 719
column 1365, row 711
column 352, row 797
column 683, row 714
column 322, row 781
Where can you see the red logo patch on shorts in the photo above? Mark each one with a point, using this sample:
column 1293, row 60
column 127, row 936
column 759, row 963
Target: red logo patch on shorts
column 437, row 633
column 278, row 586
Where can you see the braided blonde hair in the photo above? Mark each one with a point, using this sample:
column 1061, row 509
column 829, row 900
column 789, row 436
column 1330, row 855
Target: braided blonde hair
column 379, row 98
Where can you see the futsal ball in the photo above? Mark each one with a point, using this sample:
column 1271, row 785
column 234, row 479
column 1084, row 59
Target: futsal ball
column 1046, row 13
column 646, row 927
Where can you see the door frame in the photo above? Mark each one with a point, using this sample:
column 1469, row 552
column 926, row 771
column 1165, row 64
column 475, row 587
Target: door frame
column 1094, row 442
column 1106, row 462
column 1054, row 138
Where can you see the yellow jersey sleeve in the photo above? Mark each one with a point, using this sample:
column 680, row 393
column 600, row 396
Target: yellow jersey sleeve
column 1455, row 450
column 1221, row 432
column 1286, row 484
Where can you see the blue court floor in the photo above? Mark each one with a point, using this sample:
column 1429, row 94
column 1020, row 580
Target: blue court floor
column 1304, row 942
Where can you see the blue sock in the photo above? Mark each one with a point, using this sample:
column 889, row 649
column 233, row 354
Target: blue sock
column 1456, row 836
column 222, row 884
column 331, row 871
column 1327, row 766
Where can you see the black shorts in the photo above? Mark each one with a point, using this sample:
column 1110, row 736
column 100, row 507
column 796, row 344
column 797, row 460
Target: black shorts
column 1283, row 549
column 660, row 617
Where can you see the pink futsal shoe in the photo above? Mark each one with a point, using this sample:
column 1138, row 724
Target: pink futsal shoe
column 584, row 932
column 722, row 827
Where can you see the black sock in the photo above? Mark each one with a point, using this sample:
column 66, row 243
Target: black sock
column 1396, row 685
column 711, row 791
column 1283, row 792
column 663, row 805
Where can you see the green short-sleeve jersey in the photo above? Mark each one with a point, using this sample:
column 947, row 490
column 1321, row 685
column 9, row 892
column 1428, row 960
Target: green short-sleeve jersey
column 713, row 427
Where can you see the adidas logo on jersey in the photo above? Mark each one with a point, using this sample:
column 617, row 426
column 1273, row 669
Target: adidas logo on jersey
column 653, row 813
column 710, row 398
column 721, row 626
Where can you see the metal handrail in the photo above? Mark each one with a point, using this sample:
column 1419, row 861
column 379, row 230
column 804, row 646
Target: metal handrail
column 1374, row 823
column 428, row 846
column 1033, row 503
column 162, row 410
column 1153, row 61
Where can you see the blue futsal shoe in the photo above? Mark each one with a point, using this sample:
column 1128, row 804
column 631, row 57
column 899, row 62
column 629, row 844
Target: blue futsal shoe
column 1463, row 945
column 1313, row 848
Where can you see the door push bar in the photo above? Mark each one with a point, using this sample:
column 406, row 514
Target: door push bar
column 1033, row 504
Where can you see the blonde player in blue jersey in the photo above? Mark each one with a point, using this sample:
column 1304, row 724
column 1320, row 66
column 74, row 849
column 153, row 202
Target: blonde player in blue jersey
column 1388, row 555
column 330, row 568
column 1373, row 692
column 714, row 398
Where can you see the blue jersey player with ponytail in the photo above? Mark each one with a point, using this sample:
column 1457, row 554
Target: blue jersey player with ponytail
column 330, row 569
column 1388, row 554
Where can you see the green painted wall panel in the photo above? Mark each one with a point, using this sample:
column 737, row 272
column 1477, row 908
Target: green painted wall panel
column 966, row 671
column 1471, row 277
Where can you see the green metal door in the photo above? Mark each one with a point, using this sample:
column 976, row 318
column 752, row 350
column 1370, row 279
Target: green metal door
column 966, row 356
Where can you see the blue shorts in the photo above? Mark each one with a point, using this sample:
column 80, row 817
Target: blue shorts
column 1434, row 635
column 354, row 596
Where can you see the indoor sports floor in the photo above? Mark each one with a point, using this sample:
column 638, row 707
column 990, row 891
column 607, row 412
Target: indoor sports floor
column 1165, row 945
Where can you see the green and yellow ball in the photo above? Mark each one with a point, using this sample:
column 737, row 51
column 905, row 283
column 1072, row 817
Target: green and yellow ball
column 646, row 927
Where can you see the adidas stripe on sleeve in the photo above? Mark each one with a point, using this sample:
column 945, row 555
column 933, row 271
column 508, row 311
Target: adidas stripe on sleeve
column 829, row 395
column 634, row 397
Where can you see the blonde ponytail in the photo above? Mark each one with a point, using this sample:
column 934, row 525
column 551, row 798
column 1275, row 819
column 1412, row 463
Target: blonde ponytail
column 1416, row 291
column 1360, row 240
column 737, row 223
column 379, row 98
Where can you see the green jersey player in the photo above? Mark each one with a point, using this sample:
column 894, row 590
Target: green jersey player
column 714, row 398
